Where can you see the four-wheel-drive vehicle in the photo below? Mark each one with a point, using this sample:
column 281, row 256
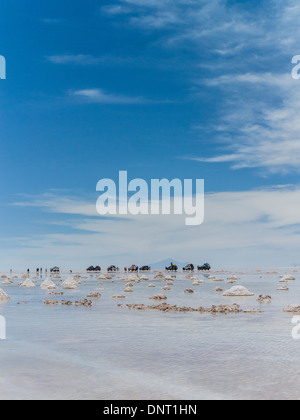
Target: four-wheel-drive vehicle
column 54, row 270
column 189, row 267
column 204, row 267
column 145, row 268
column 112, row 268
column 133, row 268
column 172, row 267
column 92, row 268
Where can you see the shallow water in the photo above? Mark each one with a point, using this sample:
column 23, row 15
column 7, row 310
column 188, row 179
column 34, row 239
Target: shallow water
column 111, row 352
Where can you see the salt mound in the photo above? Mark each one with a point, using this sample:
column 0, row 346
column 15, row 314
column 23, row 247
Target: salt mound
column 69, row 283
column 283, row 288
column 288, row 277
column 264, row 299
column 151, row 285
column 7, row 281
column 143, row 277
column 48, row 284
column 158, row 297
column 233, row 278
column 238, row 291
column 27, row 283
column 3, row 295
column 292, row 308
column 196, row 283
column 132, row 277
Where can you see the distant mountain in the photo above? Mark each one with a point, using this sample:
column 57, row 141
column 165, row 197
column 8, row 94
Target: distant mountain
column 160, row 265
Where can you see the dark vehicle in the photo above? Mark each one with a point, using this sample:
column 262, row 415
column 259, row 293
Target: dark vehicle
column 112, row 268
column 145, row 268
column 204, row 267
column 92, row 268
column 189, row 267
column 133, row 268
column 172, row 267
column 54, row 270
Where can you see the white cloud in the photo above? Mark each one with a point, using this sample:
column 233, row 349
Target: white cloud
column 101, row 97
column 240, row 229
column 82, row 59
column 266, row 129
column 249, row 52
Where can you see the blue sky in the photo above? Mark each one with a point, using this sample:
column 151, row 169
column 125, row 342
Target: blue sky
column 160, row 88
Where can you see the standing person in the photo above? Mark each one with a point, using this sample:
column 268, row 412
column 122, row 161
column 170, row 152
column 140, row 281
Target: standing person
column 10, row 271
column 28, row 272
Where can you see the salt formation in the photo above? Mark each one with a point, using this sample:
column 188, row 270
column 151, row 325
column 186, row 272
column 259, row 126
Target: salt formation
column 283, row 288
column 27, row 283
column 143, row 277
column 292, row 308
column 264, row 299
column 197, row 282
column 7, row 281
column 48, row 284
column 70, row 283
column 3, row 296
column 218, row 289
column 94, row 295
column 221, row 309
column 51, row 302
column 238, row 291
column 189, row 291
column 151, row 285
column 158, row 297
column 288, row 277
column 236, row 278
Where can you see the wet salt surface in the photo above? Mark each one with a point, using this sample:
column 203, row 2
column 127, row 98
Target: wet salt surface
column 109, row 352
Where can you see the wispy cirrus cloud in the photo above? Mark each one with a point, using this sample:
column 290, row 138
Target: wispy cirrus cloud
column 80, row 59
column 99, row 96
column 264, row 128
column 245, row 53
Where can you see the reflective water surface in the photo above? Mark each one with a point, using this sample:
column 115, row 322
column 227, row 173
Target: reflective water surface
column 111, row 352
